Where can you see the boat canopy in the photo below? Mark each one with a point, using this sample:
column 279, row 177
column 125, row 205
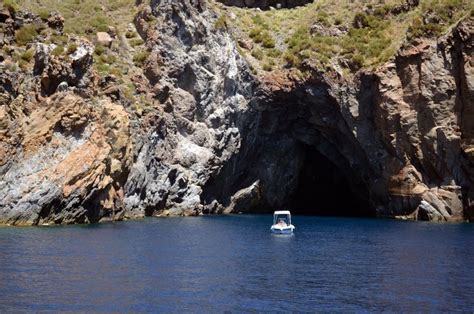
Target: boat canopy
column 282, row 212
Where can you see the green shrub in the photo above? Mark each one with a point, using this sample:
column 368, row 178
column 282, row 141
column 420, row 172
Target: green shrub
column 71, row 48
column 116, row 71
column 358, row 61
column 28, row 55
column 130, row 34
column 268, row 41
column 140, row 58
column 102, row 68
column 221, row 23
column 259, row 35
column 99, row 49
column 59, row 39
column 361, row 20
column 291, row 59
column 274, row 53
column 11, row 4
column 23, row 64
column 100, row 23
column 323, row 20
column 136, row 42
column 58, row 50
column 258, row 20
column 43, row 14
column 255, row 32
column 25, row 34
column 257, row 54
column 267, row 67
column 107, row 58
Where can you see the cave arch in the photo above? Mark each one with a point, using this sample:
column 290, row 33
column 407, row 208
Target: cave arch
column 296, row 153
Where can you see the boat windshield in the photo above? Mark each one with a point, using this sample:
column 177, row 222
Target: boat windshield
column 281, row 219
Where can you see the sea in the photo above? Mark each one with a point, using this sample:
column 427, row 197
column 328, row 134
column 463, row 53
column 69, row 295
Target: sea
column 233, row 264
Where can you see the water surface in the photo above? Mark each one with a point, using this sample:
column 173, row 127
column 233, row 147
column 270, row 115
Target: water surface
column 233, row 263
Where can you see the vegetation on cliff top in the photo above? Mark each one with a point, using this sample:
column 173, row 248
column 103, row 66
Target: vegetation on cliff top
column 348, row 35
column 85, row 16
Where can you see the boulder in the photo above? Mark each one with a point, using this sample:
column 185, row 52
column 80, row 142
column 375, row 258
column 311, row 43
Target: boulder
column 245, row 199
column 104, row 39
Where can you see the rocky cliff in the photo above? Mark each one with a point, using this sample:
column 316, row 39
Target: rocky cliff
column 208, row 134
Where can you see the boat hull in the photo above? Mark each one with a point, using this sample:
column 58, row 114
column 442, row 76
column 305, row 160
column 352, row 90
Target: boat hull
column 282, row 230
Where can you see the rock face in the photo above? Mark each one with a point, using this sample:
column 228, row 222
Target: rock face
column 396, row 142
column 204, row 86
column 64, row 151
column 392, row 138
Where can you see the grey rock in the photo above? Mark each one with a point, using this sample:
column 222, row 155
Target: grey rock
column 62, row 87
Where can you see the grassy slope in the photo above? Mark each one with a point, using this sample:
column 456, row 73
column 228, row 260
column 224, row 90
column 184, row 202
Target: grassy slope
column 80, row 15
column 85, row 18
column 282, row 38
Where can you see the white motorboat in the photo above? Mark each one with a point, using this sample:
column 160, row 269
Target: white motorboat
column 282, row 222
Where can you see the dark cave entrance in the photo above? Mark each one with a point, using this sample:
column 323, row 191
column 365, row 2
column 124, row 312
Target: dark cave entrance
column 324, row 189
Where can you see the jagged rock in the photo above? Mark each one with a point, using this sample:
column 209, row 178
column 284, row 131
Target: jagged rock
column 41, row 58
column 56, row 21
column 246, row 44
column 4, row 14
column 408, row 5
column 204, row 73
column 62, row 168
column 54, row 70
column 245, row 200
column 440, row 205
column 142, row 23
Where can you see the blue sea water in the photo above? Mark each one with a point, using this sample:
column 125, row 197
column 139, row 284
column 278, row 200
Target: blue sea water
column 233, row 263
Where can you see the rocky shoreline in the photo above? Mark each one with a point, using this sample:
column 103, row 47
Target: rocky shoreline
column 206, row 135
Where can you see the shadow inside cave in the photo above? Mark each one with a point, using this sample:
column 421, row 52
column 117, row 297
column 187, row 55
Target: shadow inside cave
column 324, row 189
